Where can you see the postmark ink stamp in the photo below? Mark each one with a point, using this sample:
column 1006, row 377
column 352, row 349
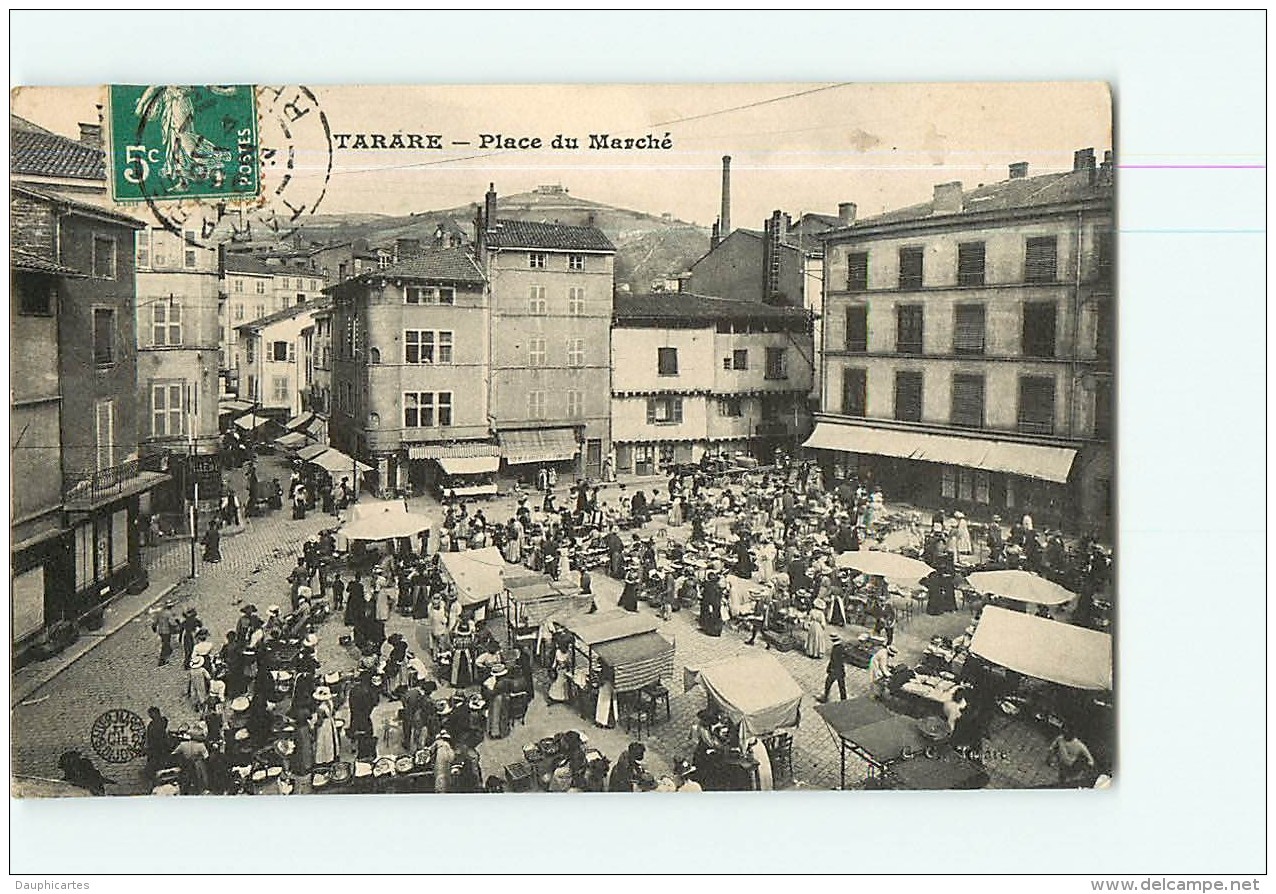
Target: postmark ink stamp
column 118, row 736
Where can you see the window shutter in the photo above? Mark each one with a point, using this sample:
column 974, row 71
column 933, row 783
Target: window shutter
column 651, row 411
column 968, row 329
column 677, row 409
column 968, row 401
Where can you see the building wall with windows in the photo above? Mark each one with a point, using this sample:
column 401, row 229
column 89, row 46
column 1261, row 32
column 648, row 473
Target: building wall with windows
column 180, row 324
column 551, row 292
column 695, row 374
column 987, row 315
column 409, row 361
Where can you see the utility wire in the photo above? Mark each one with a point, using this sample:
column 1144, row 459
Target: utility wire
column 751, row 105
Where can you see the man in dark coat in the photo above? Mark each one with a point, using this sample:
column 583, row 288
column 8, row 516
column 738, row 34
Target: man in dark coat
column 711, row 606
column 363, row 698
column 165, row 625
column 638, row 507
column 156, row 743
column 615, row 553
column 627, row 773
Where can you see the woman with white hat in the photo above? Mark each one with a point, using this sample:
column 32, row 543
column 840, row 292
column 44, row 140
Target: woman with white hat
column 197, row 681
column 496, row 691
column 327, row 744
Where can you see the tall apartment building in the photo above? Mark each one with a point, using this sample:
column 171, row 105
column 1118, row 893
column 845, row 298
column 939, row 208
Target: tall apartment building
column 551, row 291
column 968, row 347
column 693, row 375
column 77, row 480
column 409, row 364
column 273, row 362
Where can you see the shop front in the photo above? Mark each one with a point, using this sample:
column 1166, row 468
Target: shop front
column 525, row 452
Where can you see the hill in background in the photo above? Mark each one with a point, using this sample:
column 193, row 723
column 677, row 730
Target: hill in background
column 648, row 247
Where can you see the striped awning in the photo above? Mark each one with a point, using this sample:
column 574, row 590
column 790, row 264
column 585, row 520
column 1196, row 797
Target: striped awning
column 637, row 660
column 452, row 451
column 1031, row 460
column 538, row 445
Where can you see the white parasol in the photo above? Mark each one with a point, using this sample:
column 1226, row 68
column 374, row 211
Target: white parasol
column 884, row 564
column 1021, row 585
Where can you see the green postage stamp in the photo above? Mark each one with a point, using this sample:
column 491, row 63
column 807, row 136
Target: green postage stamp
column 183, row 142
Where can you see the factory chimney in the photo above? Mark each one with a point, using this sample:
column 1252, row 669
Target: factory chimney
column 724, row 220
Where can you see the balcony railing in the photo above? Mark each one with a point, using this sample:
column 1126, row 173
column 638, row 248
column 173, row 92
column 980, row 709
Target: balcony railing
column 93, row 487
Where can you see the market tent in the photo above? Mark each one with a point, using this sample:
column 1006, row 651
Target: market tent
column 753, row 690
column 469, row 465
column 335, row 463
column 878, row 562
column 1021, row 585
column 1044, row 649
column 385, row 521
column 228, row 406
column 251, row 422
column 609, row 625
column 477, row 574
column 637, row 660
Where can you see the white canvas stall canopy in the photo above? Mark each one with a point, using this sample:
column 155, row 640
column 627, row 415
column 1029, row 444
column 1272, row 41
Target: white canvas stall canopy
column 1044, row 649
column 389, row 520
column 309, row 453
column 1031, row 460
column 753, row 690
column 300, row 421
column 251, row 422
column 477, row 573
column 337, row 464
column 293, row 440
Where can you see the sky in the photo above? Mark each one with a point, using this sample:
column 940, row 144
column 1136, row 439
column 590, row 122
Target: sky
column 795, row 147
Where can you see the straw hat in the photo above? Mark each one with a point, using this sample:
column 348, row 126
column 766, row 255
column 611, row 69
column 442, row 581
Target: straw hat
column 310, row 641
column 322, row 694
column 332, row 678
column 499, row 670
column 197, row 661
column 274, row 610
column 241, row 734
column 203, row 648
column 240, row 703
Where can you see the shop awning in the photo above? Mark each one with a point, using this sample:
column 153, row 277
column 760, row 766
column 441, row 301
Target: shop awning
column 308, row 454
column 540, row 445
column 299, row 421
column 1031, row 460
column 226, row 407
column 469, row 465
column 336, row 463
column 637, row 660
column 1044, row 649
column 292, row 440
column 459, row 451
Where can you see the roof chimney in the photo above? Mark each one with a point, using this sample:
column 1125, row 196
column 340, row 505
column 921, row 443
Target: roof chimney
column 91, row 135
column 1105, row 169
column 948, row 199
column 715, row 236
column 1083, row 160
column 846, row 213
column 1018, row 170
column 724, row 220
column 489, row 208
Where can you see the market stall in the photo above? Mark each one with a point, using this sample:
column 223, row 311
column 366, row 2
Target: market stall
column 468, row 476
column 897, row 749
column 616, row 652
column 1044, row 649
column 337, row 464
column 533, row 599
column 378, row 521
column 477, row 575
column 292, row 441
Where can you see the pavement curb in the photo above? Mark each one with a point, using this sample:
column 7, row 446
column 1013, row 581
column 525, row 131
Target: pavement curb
column 31, row 687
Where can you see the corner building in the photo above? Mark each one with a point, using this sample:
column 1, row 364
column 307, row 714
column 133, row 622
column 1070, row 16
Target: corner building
column 968, row 348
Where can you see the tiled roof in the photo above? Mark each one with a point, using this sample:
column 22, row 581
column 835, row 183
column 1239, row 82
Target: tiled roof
column 75, row 205
column 444, row 264
column 287, row 313
column 690, row 306
column 241, row 263
column 1025, row 192
column 24, row 260
column 38, row 153
column 549, row 236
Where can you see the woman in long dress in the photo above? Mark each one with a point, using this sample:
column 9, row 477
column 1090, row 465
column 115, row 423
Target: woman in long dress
column 560, row 683
column 817, row 638
column 327, row 745
column 675, row 512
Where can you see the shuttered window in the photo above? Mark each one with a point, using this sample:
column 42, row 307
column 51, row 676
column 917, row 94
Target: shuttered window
column 855, row 392
column 1039, row 329
column 1036, row 405
column 911, row 266
column 970, row 264
column 857, row 328
column 857, row 271
column 1041, row 259
column 667, row 361
column 968, row 329
column 908, row 396
column 908, row 331
column 664, row 410
column 968, row 400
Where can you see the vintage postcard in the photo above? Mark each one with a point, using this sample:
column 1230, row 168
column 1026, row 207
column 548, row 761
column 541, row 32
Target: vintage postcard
column 464, row 439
